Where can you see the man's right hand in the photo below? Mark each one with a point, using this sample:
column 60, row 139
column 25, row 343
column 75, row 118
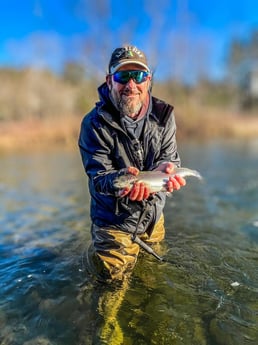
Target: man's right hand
column 139, row 191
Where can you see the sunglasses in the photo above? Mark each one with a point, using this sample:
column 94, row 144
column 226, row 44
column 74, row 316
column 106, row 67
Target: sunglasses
column 122, row 77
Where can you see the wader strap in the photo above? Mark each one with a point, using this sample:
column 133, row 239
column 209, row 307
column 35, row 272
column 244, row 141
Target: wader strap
column 147, row 248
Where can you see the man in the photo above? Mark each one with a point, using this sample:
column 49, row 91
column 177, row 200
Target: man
column 129, row 130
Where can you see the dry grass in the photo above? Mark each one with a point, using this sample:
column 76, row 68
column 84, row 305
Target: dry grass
column 40, row 134
column 208, row 123
column 193, row 122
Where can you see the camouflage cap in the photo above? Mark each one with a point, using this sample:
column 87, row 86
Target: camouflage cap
column 127, row 55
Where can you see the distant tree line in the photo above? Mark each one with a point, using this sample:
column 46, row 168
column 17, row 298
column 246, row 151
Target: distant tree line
column 242, row 65
column 30, row 93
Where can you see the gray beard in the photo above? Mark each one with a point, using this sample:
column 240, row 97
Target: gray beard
column 127, row 108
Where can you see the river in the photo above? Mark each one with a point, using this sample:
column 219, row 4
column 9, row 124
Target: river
column 206, row 293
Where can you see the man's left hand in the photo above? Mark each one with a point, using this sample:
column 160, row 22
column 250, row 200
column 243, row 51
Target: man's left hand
column 175, row 182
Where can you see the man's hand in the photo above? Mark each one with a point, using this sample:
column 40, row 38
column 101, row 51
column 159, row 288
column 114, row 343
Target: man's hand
column 175, row 182
column 132, row 170
column 139, row 191
column 167, row 167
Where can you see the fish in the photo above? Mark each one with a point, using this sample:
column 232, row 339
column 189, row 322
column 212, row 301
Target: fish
column 156, row 180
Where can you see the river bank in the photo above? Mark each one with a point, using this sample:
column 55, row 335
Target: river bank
column 34, row 134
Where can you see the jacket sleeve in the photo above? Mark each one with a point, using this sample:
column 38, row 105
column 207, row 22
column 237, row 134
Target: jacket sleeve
column 96, row 157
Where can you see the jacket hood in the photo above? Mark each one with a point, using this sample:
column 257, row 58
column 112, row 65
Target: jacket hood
column 105, row 100
column 103, row 92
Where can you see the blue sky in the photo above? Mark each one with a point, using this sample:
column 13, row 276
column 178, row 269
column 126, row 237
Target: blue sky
column 182, row 38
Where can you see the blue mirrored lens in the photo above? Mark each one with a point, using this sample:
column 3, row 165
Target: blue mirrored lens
column 122, row 77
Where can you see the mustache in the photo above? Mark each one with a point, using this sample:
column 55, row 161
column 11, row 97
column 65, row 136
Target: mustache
column 130, row 93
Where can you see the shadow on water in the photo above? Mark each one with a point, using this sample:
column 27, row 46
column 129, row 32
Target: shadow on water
column 206, row 294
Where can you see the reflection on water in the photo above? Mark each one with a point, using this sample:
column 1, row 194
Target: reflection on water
column 207, row 292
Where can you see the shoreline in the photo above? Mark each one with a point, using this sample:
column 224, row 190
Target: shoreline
column 48, row 134
column 36, row 134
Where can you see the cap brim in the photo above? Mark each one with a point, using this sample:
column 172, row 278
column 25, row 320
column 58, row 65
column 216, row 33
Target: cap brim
column 113, row 69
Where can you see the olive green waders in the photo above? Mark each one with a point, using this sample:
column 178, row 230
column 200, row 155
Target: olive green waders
column 112, row 257
column 113, row 253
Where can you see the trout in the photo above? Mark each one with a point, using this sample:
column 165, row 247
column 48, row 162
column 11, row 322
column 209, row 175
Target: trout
column 156, row 180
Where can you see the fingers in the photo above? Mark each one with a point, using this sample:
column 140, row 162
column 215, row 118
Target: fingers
column 170, row 186
column 175, row 183
column 146, row 193
column 123, row 192
column 133, row 171
column 169, row 168
column 139, row 192
column 180, row 180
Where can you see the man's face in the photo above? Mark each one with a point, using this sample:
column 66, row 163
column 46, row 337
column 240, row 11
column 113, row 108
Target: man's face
column 129, row 97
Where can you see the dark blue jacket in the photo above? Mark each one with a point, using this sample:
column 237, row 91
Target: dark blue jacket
column 106, row 151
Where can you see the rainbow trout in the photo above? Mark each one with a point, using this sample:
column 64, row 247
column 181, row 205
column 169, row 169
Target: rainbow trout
column 156, row 180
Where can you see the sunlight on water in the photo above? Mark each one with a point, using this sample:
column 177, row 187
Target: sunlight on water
column 205, row 294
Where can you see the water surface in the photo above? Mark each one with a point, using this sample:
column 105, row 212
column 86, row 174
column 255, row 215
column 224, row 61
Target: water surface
column 207, row 292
